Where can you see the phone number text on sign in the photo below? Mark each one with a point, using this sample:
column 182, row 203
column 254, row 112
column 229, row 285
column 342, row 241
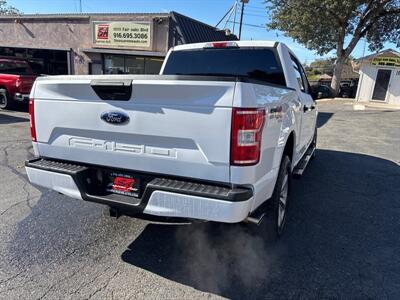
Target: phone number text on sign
column 123, row 34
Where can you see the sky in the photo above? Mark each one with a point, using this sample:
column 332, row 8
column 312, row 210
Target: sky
column 207, row 11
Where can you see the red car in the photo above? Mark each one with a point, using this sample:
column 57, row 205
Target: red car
column 16, row 80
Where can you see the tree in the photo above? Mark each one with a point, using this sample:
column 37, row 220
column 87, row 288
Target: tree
column 6, row 9
column 325, row 25
column 323, row 66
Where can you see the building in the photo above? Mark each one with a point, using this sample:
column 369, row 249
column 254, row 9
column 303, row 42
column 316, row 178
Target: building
column 134, row 43
column 348, row 76
column 379, row 78
column 348, row 73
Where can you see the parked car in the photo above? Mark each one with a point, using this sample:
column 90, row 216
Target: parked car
column 16, row 80
column 322, row 91
column 348, row 89
column 216, row 137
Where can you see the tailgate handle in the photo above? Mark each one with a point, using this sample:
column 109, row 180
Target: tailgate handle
column 119, row 90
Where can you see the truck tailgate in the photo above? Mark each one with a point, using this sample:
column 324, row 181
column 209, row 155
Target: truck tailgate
column 177, row 126
column 25, row 83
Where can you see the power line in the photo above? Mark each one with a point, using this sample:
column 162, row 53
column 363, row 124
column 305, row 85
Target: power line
column 234, row 18
column 233, row 10
column 250, row 25
column 223, row 18
column 255, row 15
column 258, row 9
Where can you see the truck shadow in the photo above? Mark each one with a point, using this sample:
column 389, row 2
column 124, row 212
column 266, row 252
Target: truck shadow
column 343, row 223
column 10, row 119
column 323, row 118
column 341, row 240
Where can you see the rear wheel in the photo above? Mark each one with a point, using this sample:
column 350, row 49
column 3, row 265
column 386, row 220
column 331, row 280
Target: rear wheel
column 5, row 102
column 274, row 222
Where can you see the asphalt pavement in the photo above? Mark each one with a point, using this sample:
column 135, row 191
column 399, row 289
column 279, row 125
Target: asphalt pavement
column 342, row 238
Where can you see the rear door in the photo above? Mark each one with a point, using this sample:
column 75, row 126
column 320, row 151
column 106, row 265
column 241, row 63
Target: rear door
column 308, row 110
column 176, row 125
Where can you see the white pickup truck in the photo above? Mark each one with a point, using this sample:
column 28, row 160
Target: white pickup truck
column 216, row 136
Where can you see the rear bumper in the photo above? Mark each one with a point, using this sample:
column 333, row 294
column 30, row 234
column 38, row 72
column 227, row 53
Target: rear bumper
column 166, row 197
column 21, row 97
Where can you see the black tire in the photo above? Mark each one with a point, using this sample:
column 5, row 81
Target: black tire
column 5, row 102
column 272, row 226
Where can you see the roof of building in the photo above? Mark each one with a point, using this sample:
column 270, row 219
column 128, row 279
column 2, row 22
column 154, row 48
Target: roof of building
column 325, row 77
column 193, row 31
column 386, row 51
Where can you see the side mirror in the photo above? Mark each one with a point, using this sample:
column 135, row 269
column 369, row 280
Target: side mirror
column 314, row 94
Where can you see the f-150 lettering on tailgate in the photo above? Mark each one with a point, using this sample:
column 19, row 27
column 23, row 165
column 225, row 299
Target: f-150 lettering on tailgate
column 120, row 147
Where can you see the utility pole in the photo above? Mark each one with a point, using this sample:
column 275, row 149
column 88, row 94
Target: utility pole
column 80, row 6
column 360, row 80
column 241, row 16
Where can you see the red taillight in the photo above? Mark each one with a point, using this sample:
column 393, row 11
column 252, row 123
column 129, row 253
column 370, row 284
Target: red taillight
column 18, row 82
column 247, row 125
column 32, row 119
column 221, row 45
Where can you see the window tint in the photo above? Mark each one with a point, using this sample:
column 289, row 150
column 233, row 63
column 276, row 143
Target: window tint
column 306, row 84
column 15, row 67
column 298, row 71
column 153, row 65
column 260, row 64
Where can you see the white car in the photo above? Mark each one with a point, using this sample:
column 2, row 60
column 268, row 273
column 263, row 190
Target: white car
column 216, row 136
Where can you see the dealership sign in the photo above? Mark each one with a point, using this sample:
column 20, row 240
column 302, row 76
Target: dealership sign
column 386, row 61
column 125, row 34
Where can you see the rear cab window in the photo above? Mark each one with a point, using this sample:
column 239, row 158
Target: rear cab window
column 260, row 64
column 15, row 67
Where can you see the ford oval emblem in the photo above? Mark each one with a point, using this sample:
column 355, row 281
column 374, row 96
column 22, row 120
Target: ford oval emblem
column 115, row 117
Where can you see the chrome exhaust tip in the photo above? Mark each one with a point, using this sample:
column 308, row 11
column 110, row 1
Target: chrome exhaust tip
column 255, row 219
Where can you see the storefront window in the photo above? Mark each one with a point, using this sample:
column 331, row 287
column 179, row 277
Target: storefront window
column 129, row 64
column 42, row 61
column 114, row 64
column 153, row 65
column 134, row 65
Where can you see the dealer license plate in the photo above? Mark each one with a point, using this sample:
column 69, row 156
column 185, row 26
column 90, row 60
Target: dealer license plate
column 123, row 184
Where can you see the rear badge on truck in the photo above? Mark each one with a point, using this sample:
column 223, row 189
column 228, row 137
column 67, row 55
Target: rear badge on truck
column 115, row 117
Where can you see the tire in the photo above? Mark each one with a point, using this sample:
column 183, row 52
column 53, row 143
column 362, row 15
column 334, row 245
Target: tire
column 273, row 225
column 5, row 102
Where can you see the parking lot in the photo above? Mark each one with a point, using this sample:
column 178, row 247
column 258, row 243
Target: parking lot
column 342, row 238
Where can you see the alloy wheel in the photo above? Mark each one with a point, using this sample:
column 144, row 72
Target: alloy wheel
column 283, row 197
